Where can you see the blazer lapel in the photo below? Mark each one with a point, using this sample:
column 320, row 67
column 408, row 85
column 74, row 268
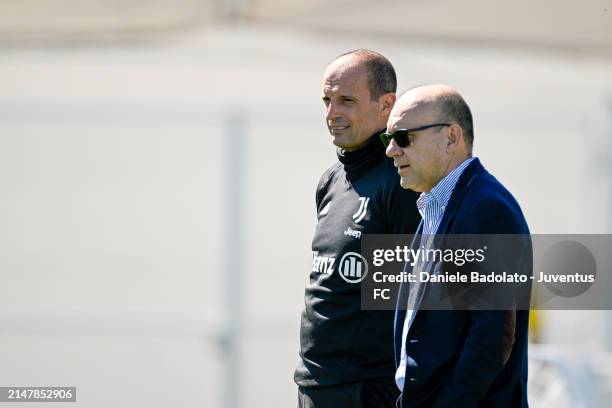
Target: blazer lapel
column 402, row 301
column 417, row 291
column 456, row 198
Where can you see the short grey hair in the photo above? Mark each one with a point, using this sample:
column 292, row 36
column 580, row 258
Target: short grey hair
column 453, row 108
column 380, row 72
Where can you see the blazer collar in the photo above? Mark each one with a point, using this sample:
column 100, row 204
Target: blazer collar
column 463, row 184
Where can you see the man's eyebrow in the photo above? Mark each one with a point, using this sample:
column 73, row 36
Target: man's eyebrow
column 341, row 96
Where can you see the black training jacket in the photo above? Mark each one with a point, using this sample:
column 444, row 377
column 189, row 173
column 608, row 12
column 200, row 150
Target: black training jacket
column 340, row 343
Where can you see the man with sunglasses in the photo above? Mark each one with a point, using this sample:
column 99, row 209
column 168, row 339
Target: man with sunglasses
column 454, row 358
column 346, row 354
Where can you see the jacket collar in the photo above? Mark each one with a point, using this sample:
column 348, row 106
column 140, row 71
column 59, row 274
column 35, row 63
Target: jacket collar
column 357, row 162
column 468, row 175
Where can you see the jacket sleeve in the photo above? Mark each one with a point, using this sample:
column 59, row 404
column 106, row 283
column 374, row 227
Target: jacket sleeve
column 491, row 333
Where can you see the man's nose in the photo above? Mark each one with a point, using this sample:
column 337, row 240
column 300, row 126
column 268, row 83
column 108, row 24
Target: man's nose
column 331, row 112
column 393, row 149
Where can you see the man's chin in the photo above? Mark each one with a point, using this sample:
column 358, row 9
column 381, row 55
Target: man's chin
column 341, row 141
column 407, row 184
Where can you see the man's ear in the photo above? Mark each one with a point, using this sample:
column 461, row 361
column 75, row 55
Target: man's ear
column 455, row 137
column 386, row 103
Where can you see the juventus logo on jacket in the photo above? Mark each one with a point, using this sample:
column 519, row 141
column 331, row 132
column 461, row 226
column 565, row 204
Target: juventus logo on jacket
column 363, row 209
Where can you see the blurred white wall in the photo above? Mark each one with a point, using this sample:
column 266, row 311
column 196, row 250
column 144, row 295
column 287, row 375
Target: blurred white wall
column 113, row 172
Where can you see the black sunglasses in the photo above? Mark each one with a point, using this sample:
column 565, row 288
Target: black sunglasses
column 401, row 135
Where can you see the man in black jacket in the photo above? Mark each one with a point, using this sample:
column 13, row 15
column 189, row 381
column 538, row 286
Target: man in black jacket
column 346, row 353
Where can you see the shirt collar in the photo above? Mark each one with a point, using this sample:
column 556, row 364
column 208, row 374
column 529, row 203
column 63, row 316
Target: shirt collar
column 442, row 191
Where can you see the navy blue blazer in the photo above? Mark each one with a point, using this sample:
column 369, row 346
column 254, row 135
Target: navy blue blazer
column 468, row 358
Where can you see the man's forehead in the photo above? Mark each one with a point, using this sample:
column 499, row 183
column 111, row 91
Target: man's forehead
column 393, row 122
column 409, row 114
column 353, row 89
column 343, row 75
